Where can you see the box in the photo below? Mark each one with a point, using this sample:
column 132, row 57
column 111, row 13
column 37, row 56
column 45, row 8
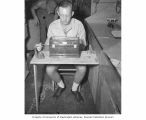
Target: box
column 64, row 46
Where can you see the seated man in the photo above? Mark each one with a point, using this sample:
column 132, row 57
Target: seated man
column 66, row 26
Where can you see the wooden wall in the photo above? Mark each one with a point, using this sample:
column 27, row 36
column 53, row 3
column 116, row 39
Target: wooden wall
column 105, row 82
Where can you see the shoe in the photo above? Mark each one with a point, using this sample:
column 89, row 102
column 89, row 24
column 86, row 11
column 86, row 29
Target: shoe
column 58, row 92
column 78, row 96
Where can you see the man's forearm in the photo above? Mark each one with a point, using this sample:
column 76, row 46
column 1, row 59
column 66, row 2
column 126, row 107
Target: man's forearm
column 47, row 41
column 84, row 43
column 33, row 12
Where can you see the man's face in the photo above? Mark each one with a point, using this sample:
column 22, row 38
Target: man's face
column 50, row 6
column 65, row 14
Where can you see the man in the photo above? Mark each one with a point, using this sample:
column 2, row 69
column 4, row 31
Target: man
column 43, row 13
column 66, row 26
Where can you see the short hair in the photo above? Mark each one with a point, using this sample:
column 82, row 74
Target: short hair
column 65, row 3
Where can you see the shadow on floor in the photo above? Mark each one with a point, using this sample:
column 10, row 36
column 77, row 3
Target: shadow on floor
column 64, row 105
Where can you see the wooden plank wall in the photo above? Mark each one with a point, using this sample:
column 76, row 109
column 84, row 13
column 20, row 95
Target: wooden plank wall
column 105, row 82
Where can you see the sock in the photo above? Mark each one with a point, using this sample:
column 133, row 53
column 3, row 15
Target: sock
column 61, row 84
column 75, row 86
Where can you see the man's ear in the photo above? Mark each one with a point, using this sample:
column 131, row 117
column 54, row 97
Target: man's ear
column 72, row 13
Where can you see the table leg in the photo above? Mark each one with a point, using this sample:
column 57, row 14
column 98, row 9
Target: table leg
column 35, row 84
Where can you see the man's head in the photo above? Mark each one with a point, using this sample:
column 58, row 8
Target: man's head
column 51, row 6
column 65, row 12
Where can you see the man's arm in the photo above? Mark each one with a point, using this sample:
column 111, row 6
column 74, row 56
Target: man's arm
column 82, row 35
column 49, row 35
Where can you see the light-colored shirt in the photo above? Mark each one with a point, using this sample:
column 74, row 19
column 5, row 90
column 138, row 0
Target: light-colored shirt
column 74, row 29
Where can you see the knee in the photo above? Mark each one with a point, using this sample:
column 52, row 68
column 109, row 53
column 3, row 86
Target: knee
column 81, row 69
column 50, row 69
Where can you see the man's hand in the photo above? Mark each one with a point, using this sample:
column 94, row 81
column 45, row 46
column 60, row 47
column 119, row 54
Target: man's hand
column 82, row 45
column 39, row 47
column 36, row 21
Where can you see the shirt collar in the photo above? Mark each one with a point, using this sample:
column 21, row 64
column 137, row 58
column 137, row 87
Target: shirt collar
column 67, row 28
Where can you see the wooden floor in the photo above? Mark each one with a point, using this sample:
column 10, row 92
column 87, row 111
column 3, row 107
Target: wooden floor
column 64, row 105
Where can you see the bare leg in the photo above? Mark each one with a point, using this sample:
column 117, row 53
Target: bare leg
column 80, row 73
column 52, row 73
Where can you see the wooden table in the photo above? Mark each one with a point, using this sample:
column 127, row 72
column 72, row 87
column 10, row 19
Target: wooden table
column 86, row 58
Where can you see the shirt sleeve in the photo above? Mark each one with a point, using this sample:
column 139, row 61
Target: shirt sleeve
column 49, row 35
column 82, row 34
